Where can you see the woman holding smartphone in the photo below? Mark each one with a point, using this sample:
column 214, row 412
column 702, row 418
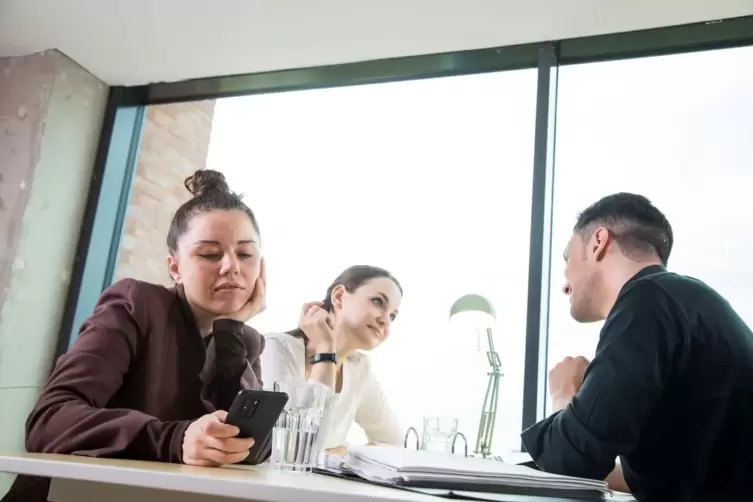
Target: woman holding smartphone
column 328, row 348
column 153, row 369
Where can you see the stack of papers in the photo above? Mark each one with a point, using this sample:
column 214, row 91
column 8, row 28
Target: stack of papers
column 422, row 469
column 331, row 463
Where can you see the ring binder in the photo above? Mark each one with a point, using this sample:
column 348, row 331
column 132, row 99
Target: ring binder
column 465, row 443
column 438, row 472
column 418, row 440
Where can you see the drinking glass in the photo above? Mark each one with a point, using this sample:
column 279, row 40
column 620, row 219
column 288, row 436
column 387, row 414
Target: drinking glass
column 294, row 434
column 439, row 433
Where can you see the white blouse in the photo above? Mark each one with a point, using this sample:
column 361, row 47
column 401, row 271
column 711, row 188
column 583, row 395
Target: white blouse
column 361, row 397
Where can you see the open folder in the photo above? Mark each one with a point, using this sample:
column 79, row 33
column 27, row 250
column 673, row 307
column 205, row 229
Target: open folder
column 455, row 476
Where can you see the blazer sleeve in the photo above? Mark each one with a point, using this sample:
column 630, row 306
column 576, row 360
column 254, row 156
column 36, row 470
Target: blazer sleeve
column 252, row 377
column 232, row 361
column 71, row 415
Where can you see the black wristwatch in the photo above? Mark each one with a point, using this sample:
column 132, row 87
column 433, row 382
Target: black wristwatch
column 323, row 358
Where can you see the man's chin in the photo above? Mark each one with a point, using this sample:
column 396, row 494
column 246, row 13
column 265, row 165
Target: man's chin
column 583, row 317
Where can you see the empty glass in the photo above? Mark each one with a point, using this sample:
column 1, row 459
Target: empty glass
column 294, row 434
column 439, row 433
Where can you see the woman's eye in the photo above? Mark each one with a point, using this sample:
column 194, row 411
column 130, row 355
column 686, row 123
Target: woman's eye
column 210, row 256
column 378, row 302
column 245, row 256
column 392, row 317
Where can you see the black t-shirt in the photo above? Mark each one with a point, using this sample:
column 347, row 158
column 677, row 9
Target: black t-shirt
column 670, row 392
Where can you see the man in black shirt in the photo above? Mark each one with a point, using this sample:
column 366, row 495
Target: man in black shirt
column 670, row 390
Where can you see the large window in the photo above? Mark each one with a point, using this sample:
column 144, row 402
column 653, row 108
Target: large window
column 430, row 179
column 678, row 130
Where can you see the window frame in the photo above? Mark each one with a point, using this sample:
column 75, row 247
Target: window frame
column 115, row 163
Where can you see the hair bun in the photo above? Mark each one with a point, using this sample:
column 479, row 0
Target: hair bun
column 205, row 181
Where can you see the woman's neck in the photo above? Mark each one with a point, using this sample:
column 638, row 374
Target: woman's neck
column 204, row 320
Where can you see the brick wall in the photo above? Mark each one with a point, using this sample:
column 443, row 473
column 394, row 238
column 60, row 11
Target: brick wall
column 174, row 144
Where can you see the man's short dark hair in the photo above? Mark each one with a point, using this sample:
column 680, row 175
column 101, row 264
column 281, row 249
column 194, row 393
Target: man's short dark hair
column 637, row 226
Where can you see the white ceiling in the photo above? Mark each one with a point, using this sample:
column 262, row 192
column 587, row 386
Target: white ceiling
column 132, row 42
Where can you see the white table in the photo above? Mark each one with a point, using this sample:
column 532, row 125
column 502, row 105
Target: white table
column 81, row 479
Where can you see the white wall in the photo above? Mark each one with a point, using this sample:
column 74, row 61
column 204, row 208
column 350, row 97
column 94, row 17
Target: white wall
column 50, row 161
column 141, row 41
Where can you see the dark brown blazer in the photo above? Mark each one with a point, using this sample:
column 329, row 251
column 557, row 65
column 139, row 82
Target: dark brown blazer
column 137, row 375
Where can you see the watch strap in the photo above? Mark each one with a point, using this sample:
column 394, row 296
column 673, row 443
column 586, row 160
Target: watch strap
column 323, row 358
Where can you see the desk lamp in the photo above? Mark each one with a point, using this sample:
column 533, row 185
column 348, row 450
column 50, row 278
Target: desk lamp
column 476, row 312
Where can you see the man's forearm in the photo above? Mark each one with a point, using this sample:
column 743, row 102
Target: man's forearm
column 548, row 444
column 560, row 401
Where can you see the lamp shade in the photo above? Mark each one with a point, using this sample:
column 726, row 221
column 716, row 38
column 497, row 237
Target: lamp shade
column 472, row 312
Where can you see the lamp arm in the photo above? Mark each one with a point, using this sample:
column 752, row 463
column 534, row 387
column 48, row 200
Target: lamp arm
column 490, row 340
column 491, row 399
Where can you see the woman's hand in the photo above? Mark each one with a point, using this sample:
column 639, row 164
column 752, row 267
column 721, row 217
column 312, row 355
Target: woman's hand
column 317, row 324
column 338, row 450
column 210, row 442
column 342, row 450
column 258, row 301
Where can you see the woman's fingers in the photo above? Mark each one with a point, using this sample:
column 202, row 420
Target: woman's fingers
column 221, row 457
column 220, row 430
column 228, row 445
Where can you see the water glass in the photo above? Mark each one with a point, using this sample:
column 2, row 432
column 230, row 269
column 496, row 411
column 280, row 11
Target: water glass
column 439, row 433
column 294, row 434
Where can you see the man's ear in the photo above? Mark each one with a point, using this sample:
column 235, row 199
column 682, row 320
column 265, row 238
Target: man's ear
column 173, row 268
column 600, row 239
column 337, row 296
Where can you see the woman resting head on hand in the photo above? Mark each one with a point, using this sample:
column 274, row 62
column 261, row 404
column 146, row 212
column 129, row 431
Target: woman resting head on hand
column 356, row 315
column 214, row 252
column 153, row 370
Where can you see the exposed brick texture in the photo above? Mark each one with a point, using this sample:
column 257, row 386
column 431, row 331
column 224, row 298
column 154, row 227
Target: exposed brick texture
column 174, row 145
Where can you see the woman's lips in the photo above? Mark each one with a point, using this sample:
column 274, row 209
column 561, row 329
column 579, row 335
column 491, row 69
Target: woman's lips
column 230, row 288
column 377, row 332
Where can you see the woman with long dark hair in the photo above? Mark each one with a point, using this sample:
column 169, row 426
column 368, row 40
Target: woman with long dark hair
column 328, row 348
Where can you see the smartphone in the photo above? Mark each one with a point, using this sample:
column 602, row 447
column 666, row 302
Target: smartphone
column 255, row 413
